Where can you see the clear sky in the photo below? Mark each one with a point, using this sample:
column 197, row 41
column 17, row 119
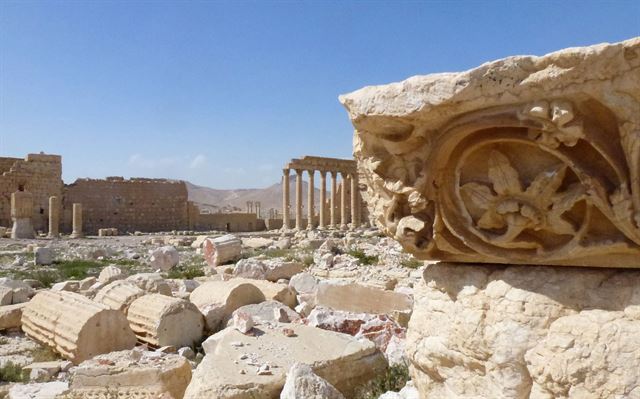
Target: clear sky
column 224, row 93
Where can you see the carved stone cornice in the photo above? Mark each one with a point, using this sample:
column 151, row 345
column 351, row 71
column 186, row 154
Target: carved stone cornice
column 530, row 160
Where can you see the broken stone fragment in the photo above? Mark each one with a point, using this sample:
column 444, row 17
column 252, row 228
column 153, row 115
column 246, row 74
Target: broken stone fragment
column 110, row 273
column 20, row 291
column 11, row 316
column 274, row 291
column 343, row 361
column 160, row 320
column 302, row 382
column 151, row 283
column 75, row 326
column 130, row 374
column 220, row 250
column 43, row 256
column 164, row 258
column 70, row 285
column 42, row 390
column 242, row 321
column 218, row 299
column 119, row 295
column 269, row 311
column 361, row 299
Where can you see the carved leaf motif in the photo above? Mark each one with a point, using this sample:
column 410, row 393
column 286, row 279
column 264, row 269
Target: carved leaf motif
column 564, row 201
column 547, row 182
column 504, row 177
column 491, row 220
column 479, row 194
column 557, row 225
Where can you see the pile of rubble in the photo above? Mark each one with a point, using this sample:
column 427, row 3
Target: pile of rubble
column 299, row 315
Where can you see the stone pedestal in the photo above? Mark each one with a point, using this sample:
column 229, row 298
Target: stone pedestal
column 22, row 214
column 77, row 221
column 54, row 217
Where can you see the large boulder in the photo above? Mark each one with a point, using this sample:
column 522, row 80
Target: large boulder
column 240, row 366
column 267, row 269
column 164, row 258
column 151, row 282
column 359, row 298
column 302, row 382
column 130, row 374
column 274, row 291
column 18, row 291
column 74, row 326
column 221, row 250
column 268, row 312
column 526, row 332
column 217, row 300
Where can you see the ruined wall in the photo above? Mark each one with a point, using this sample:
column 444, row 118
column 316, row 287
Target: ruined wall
column 135, row 204
column 40, row 174
column 229, row 222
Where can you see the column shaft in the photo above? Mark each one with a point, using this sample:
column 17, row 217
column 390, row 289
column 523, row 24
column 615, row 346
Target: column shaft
column 310, row 200
column 298, row 199
column 334, row 199
column 54, row 217
column 323, row 199
column 286, row 222
column 354, row 201
column 343, row 201
column 77, row 221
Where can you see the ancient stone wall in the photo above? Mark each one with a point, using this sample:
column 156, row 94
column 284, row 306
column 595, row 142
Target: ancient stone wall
column 40, row 174
column 135, row 204
column 229, row 222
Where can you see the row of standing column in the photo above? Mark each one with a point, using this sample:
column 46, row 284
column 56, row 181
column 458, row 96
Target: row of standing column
column 322, row 222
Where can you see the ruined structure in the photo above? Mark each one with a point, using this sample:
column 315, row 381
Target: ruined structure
column 22, row 215
column 39, row 174
column 525, row 160
column 333, row 212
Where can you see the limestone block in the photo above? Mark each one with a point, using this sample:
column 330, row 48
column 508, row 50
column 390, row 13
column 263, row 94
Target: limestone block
column 151, row 282
column 218, row 299
column 109, row 274
column 257, row 242
column 218, row 251
column 274, row 291
column 161, row 320
column 164, row 258
column 70, row 285
column 269, row 312
column 304, row 283
column 361, row 298
column 86, row 283
column 302, row 382
column 11, row 316
column 197, row 243
column 525, row 332
column 21, row 214
column 42, row 390
column 130, row 374
column 21, row 291
column 43, row 255
column 524, row 160
column 119, row 295
column 6, row 295
column 75, row 326
column 340, row 359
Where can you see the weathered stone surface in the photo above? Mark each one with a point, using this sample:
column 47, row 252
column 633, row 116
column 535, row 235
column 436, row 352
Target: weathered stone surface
column 274, row 291
column 119, row 295
column 130, row 374
column 43, row 256
column 69, row 285
column 11, row 316
column 304, row 283
column 43, row 390
column 20, row 291
column 110, row 273
column 161, row 320
column 361, row 298
column 343, row 361
column 22, row 214
column 164, row 258
column 525, row 332
column 151, row 282
column 302, row 382
column 269, row 312
column 267, row 269
column 220, row 250
column 75, row 326
column 526, row 160
column 217, row 300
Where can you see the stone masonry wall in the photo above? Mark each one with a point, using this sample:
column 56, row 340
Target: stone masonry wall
column 229, row 222
column 40, row 174
column 135, row 204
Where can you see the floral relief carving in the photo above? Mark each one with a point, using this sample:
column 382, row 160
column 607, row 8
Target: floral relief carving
column 557, row 121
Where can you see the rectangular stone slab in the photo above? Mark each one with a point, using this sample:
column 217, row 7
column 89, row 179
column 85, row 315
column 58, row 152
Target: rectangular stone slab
column 526, row 160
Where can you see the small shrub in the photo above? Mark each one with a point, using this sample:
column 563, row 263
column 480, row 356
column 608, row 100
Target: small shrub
column 12, row 372
column 185, row 272
column 363, row 258
column 394, row 379
column 78, row 269
column 412, row 263
column 44, row 354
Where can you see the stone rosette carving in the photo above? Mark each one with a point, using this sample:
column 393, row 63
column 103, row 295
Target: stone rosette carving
column 532, row 160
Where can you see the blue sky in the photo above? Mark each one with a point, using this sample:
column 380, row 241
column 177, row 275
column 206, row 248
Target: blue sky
column 224, row 93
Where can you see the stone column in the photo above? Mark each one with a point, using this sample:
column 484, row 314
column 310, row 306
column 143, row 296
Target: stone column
column 310, row 200
column 286, row 222
column 354, row 201
column 21, row 214
column 54, row 217
column 343, row 202
column 323, row 199
column 77, row 221
column 334, row 198
column 258, row 206
column 298, row 199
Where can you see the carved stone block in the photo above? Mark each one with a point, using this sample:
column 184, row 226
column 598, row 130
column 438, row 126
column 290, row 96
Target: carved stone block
column 529, row 160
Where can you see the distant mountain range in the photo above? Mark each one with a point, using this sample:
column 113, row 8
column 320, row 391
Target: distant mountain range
column 216, row 200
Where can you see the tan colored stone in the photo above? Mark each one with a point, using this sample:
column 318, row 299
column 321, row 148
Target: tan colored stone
column 151, row 282
column 520, row 332
column 361, row 298
column 11, row 316
column 220, row 250
column 75, row 326
column 118, row 295
column 340, row 359
column 525, row 160
column 274, row 291
column 22, row 214
column 161, row 320
column 110, row 273
column 130, row 374
column 218, row 299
